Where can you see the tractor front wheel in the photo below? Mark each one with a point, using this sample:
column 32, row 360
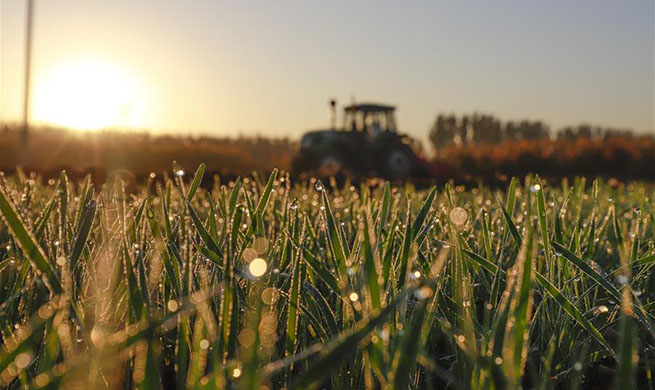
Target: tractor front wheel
column 399, row 163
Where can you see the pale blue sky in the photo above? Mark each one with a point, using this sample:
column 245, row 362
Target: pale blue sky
column 270, row 67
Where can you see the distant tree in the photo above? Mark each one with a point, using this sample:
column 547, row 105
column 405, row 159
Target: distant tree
column 533, row 130
column 461, row 129
column 608, row 133
column 587, row 131
column 511, row 132
column 486, row 130
column 442, row 133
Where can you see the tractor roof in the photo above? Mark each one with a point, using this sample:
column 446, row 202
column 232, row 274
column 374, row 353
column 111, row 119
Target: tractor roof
column 369, row 107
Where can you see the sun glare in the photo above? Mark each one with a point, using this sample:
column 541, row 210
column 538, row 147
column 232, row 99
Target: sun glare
column 90, row 95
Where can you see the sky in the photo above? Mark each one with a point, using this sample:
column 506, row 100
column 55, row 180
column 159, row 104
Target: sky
column 269, row 68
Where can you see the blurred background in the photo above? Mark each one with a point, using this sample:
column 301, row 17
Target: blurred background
column 487, row 89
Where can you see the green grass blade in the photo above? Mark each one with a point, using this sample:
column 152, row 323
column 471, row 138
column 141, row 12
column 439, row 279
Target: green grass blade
column 82, row 234
column 197, row 179
column 333, row 353
column 28, row 243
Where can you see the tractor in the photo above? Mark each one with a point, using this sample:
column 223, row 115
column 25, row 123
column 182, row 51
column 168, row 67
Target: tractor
column 367, row 145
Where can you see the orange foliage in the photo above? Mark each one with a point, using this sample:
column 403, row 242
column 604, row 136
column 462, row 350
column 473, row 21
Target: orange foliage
column 622, row 157
column 51, row 150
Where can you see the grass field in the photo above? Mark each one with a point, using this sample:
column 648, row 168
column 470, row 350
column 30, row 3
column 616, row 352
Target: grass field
column 266, row 284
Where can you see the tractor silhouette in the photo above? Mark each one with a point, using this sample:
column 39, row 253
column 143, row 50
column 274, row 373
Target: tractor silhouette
column 367, row 145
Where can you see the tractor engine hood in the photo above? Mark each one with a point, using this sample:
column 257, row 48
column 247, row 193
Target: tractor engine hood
column 317, row 138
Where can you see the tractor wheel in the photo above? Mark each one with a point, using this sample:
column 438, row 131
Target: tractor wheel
column 399, row 163
column 330, row 165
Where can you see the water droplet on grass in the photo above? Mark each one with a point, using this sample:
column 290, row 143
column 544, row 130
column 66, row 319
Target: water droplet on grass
column 257, row 267
column 622, row 279
column 172, row 305
column 260, row 245
column 22, row 360
column 423, row 293
column 459, row 216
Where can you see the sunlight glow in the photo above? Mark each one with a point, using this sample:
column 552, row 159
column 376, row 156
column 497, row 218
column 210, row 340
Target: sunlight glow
column 90, row 95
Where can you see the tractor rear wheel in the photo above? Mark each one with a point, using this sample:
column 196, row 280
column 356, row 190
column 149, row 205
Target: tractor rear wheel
column 399, row 163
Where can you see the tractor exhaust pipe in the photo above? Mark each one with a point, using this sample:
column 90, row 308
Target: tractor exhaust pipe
column 333, row 114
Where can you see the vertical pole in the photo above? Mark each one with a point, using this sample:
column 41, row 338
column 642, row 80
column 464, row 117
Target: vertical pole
column 333, row 114
column 24, row 157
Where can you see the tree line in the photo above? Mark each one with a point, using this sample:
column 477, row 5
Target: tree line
column 451, row 130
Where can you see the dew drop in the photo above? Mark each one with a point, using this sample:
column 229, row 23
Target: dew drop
column 257, row 267
column 423, row 293
column 353, row 296
column 172, row 305
column 458, row 215
column 22, row 360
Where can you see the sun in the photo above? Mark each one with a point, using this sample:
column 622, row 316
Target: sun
column 89, row 94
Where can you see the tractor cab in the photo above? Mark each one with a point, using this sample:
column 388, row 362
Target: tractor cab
column 369, row 117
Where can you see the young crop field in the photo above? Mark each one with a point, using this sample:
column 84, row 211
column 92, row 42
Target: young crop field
column 262, row 283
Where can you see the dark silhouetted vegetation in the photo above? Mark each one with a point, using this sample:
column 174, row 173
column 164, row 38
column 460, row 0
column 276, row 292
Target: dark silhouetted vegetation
column 101, row 152
column 449, row 130
column 583, row 151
